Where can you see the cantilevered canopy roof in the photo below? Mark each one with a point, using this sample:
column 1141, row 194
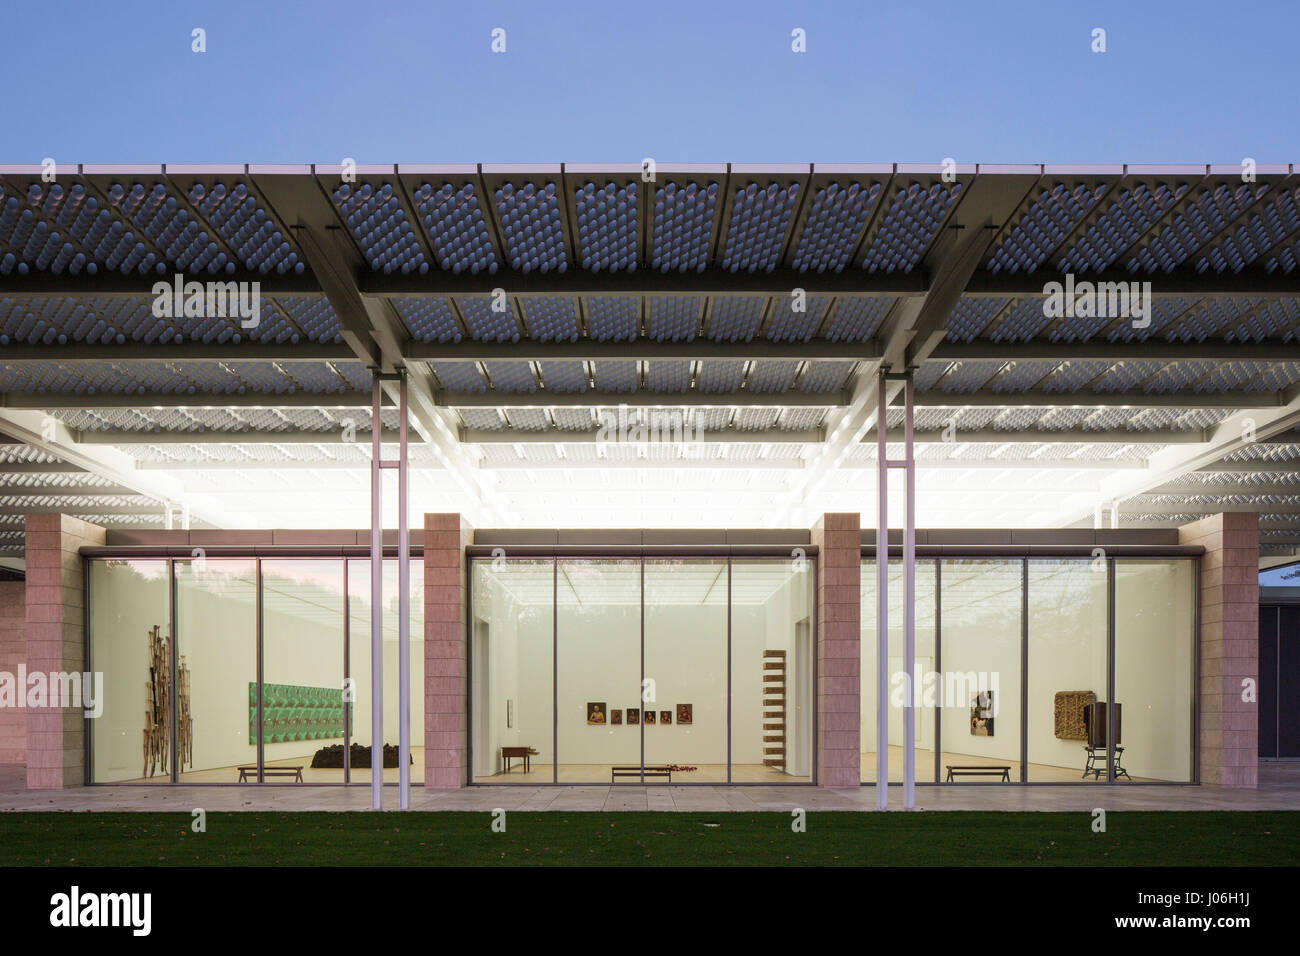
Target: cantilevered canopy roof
column 739, row 313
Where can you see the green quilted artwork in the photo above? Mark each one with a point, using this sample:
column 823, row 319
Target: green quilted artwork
column 291, row 712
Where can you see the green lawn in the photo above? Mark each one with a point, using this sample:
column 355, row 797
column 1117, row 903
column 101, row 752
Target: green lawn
column 569, row 839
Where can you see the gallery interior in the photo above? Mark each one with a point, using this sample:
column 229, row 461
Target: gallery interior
column 628, row 446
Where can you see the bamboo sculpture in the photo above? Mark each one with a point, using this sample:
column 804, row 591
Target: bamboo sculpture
column 158, row 708
column 157, row 715
column 185, row 723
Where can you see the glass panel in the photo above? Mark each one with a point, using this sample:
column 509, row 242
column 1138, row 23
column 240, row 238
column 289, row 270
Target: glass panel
column 302, row 670
column 359, row 648
column 216, row 626
column 599, row 640
column 1154, row 637
column 686, row 670
column 925, row 692
column 771, row 663
column 980, row 714
column 1067, row 666
column 512, row 693
column 129, row 632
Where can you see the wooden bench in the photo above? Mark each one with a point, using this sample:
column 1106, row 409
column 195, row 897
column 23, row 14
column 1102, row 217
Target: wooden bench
column 971, row 771
column 650, row 771
column 246, row 772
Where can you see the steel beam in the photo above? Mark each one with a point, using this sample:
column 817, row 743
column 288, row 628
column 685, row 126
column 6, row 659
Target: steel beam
column 641, row 399
column 517, row 436
column 199, row 400
column 1158, row 350
column 63, row 491
column 1253, row 466
column 1208, row 508
column 1226, row 489
column 136, row 352
column 291, row 436
column 589, row 351
column 1063, row 436
column 157, row 509
column 1090, row 399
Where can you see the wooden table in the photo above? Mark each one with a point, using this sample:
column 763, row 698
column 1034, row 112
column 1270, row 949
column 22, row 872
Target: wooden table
column 955, row 770
column 246, row 772
column 510, row 753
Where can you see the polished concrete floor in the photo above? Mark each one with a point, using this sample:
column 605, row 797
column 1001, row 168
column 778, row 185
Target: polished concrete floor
column 1037, row 772
column 1279, row 789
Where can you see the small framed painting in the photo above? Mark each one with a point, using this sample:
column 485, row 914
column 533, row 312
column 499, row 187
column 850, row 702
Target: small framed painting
column 665, row 716
column 649, row 717
column 685, row 712
column 595, row 712
column 981, row 714
column 616, row 717
column 633, row 715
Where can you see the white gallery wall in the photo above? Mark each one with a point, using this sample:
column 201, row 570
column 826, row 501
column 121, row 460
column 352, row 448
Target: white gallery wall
column 599, row 648
column 1067, row 651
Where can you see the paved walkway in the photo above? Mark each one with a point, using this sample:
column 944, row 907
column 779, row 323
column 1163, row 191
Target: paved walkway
column 1279, row 790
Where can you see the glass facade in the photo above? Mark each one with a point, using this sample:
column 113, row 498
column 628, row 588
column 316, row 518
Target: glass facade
column 216, row 628
column 1014, row 666
column 132, row 738
column 655, row 669
column 188, row 709
column 624, row 670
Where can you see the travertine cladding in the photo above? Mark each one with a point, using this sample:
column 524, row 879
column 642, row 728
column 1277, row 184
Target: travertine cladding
column 56, row 607
column 446, row 537
column 839, row 657
column 1228, row 647
column 13, row 651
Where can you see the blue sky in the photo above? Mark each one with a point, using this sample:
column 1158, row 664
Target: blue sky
column 613, row 81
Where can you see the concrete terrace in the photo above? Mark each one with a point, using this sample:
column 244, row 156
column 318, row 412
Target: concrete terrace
column 1279, row 789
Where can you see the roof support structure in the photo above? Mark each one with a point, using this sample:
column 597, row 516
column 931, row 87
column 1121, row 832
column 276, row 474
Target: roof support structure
column 52, row 436
column 1240, row 430
column 915, row 327
column 371, row 329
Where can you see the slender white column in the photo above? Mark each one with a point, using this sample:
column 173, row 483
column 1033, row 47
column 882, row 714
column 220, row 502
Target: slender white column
column 882, row 600
column 404, row 625
column 909, row 605
column 376, row 607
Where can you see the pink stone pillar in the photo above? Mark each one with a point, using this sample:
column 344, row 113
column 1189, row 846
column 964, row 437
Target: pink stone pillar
column 445, row 692
column 13, row 651
column 839, row 656
column 1228, row 647
column 56, row 605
